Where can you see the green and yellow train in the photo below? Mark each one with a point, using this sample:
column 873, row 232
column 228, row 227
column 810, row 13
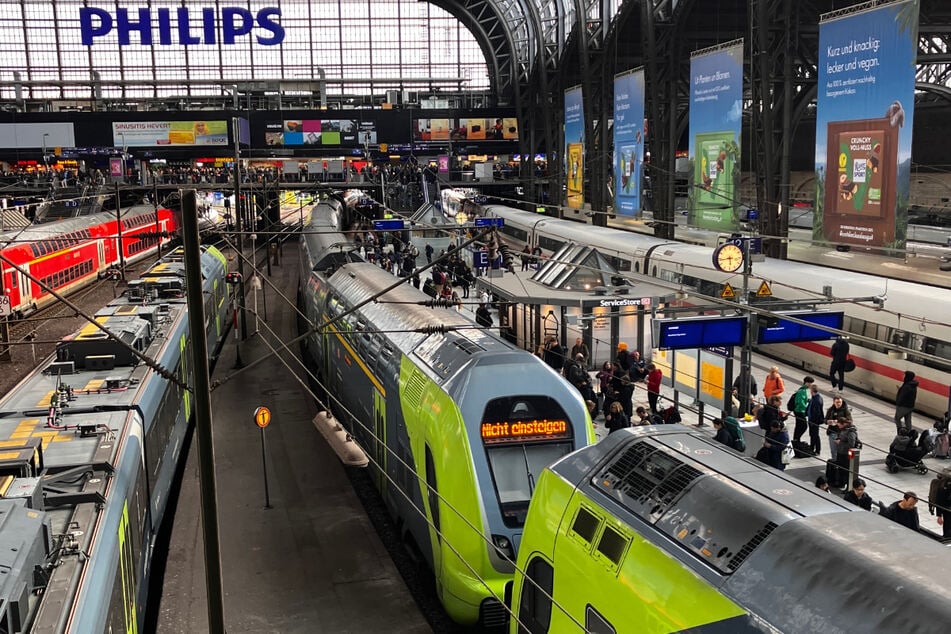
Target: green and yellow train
column 661, row 529
column 458, row 423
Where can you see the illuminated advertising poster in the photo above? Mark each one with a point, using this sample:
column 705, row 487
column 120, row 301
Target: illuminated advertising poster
column 863, row 124
column 149, row 133
column 324, row 132
column 716, row 113
column 628, row 141
column 574, row 147
column 467, row 129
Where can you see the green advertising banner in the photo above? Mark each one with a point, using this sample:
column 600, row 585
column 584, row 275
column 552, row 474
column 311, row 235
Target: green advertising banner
column 716, row 111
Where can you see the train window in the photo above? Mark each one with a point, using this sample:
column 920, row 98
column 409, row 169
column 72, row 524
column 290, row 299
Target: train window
column 13, row 281
column 433, row 490
column 516, row 461
column 585, row 524
column 550, row 243
column 35, row 249
column 595, row 623
column 534, row 606
column 612, row 545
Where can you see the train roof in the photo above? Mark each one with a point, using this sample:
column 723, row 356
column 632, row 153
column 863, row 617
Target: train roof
column 800, row 558
column 68, row 225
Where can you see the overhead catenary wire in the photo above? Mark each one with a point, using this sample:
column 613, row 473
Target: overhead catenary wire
column 276, row 353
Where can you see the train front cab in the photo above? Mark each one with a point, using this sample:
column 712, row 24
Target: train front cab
column 604, row 576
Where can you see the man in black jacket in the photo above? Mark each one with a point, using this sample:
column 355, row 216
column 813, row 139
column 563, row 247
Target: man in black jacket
column 840, row 356
column 483, row 317
column 905, row 400
column 903, row 511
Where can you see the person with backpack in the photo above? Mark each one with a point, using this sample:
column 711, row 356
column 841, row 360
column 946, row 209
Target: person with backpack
column 939, row 501
column 773, row 385
column 815, row 416
column 799, row 405
column 729, row 433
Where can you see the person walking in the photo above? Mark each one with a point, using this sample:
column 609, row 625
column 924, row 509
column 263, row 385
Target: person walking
column 840, row 357
column 905, row 401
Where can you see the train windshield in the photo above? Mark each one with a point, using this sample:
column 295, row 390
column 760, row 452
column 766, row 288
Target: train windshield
column 522, row 435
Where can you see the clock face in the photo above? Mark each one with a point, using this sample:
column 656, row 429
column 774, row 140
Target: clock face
column 728, row 258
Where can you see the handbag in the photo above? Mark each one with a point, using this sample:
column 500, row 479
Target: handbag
column 787, row 454
column 849, row 364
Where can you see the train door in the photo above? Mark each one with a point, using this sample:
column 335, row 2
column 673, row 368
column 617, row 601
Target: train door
column 127, row 573
column 378, row 448
column 102, row 255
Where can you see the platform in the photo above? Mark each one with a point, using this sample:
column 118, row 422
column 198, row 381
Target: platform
column 313, row 562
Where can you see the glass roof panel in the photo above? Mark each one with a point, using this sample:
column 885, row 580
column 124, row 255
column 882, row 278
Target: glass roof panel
column 379, row 39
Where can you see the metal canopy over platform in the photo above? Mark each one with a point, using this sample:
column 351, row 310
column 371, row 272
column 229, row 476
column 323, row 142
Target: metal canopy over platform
column 601, row 315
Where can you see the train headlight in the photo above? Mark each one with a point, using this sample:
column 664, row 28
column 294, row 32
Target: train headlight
column 503, row 546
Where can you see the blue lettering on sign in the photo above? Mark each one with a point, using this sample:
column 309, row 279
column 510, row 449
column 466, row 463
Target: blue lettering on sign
column 181, row 27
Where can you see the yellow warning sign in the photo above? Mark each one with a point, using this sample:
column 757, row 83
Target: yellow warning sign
column 727, row 292
column 763, row 290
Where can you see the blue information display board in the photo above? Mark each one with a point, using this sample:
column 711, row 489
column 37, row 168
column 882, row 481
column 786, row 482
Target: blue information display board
column 490, row 222
column 786, row 331
column 699, row 332
column 388, row 225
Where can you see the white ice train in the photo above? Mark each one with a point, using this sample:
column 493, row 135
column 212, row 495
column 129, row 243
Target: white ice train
column 915, row 316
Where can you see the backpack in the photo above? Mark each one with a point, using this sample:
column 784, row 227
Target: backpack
column 671, row 415
column 791, row 403
column 939, row 483
column 736, row 432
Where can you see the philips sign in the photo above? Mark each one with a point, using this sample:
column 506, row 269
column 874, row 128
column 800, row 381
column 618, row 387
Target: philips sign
column 181, row 26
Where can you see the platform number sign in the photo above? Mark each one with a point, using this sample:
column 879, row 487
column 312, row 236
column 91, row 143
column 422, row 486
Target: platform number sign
column 4, row 306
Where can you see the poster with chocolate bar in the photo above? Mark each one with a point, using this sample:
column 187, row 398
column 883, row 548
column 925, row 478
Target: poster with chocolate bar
column 864, row 121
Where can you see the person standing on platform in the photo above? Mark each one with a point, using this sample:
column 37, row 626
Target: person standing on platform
column 857, row 495
column 773, row 385
column 847, row 440
column 429, row 253
column 526, row 258
column 483, row 316
column 800, row 407
column 840, row 356
column 903, row 511
column 815, row 416
column 654, row 377
column 616, row 418
column 623, row 359
column 939, row 501
column 746, row 400
column 582, row 349
column 554, row 354
column 905, row 400
column 838, row 410
column 638, row 367
column 777, row 439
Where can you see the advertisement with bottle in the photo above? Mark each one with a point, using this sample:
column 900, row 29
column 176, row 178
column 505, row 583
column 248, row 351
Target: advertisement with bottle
column 716, row 114
column 864, row 118
column 628, row 141
column 574, row 147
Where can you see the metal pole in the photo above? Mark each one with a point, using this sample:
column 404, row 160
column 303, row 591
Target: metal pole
column 119, row 232
column 240, row 222
column 267, row 493
column 203, row 423
column 158, row 225
column 746, row 353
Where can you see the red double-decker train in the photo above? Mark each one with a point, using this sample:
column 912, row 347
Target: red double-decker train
column 71, row 253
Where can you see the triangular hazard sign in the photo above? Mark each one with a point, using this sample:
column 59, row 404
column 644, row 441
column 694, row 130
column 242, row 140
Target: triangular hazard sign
column 727, row 292
column 763, row 290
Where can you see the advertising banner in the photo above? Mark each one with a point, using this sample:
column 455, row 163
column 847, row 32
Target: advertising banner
column 149, row 133
column 716, row 113
column 320, row 132
column 863, row 124
column 574, row 147
column 628, row 141
column 468, row 129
